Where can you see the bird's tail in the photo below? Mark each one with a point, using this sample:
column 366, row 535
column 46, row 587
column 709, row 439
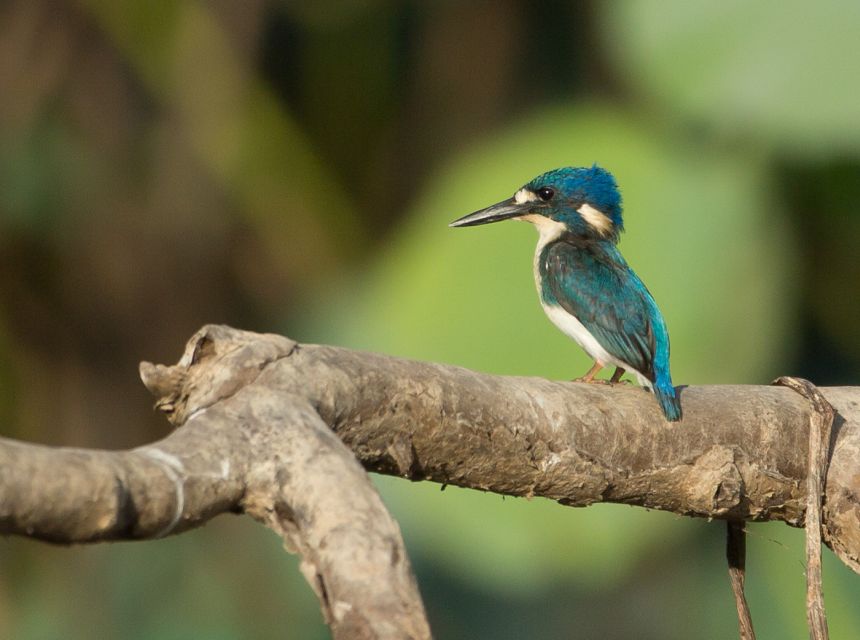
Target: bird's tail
column 669, row 401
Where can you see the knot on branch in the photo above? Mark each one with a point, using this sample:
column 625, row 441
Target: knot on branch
column 218, row 361
column 165, row 383
column 719, row 478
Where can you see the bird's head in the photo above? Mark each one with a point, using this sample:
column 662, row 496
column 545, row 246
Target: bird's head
column 585, row 200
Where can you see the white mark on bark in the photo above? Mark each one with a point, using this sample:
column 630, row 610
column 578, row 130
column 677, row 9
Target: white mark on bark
column 195, row 414
column 339, row 609
column 550, row 461
column 175, row 470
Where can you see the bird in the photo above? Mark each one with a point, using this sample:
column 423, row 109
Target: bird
column 585, row 285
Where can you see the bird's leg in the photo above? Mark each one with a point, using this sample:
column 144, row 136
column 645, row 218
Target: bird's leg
column 616, row 377
column 589, row 377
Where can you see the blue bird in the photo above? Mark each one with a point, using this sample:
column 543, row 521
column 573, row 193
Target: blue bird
column 585, row 285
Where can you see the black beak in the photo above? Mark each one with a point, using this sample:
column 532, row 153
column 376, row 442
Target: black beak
column 500, row 211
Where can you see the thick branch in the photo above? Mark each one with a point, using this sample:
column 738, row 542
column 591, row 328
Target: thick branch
column 255, row 411
column 256, row 450
column 740, row 453
column 82, row 495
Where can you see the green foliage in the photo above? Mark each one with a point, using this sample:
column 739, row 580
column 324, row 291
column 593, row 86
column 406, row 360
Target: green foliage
column 780, row 72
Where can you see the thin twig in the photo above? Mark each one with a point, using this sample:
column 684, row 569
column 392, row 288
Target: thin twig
column 820, row 424
column 736, row 551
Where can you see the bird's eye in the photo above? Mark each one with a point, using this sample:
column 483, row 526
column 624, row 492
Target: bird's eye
column 545, row 193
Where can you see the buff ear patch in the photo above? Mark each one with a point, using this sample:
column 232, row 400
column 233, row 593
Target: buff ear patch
column 598, row 220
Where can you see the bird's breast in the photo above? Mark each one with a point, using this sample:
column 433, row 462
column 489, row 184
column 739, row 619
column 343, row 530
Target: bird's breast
column 570, row 325
column 561, row 318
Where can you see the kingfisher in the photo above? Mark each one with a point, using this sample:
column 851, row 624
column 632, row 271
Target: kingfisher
column 585, row 286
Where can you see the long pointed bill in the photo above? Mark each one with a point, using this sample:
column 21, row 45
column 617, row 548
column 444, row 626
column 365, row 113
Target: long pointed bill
column 500, row 211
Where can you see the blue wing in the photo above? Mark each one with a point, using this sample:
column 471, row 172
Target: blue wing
column 602, row 292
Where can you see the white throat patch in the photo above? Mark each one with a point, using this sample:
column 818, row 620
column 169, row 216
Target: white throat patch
column 548, row 229
column 598, row 220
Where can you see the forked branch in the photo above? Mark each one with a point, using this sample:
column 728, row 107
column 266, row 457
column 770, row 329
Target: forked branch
column 256, row 419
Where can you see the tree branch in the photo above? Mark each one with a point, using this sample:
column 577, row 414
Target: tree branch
column 736, row 550
column 255, row 450
column 820, row 427
column 255, row 416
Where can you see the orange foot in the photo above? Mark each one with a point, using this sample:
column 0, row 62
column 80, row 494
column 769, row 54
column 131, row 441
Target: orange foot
column 589, row 378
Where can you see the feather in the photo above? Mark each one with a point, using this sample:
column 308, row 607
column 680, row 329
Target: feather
column 592, row 282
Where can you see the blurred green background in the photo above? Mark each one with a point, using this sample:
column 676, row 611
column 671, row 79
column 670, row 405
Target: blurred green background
column 291, row 167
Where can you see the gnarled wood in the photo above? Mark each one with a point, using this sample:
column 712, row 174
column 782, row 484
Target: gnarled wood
column 255, row 415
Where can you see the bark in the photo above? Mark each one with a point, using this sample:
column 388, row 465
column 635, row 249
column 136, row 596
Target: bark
column 256, row 417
